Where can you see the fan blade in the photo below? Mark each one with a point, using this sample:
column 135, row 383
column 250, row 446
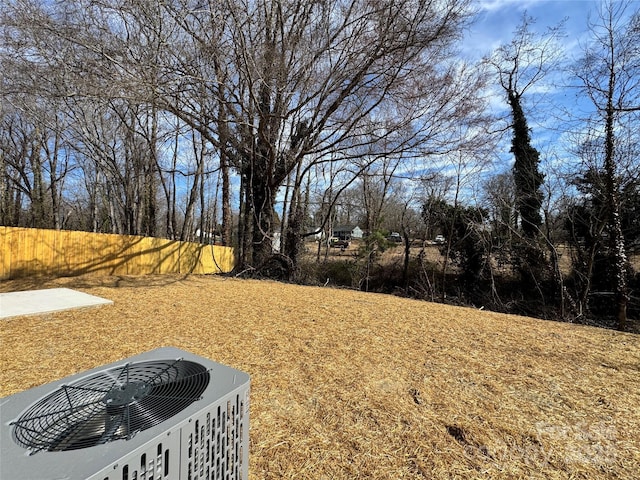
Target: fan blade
column 111, row 405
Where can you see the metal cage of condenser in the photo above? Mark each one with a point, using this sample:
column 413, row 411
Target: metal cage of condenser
column 208, row 439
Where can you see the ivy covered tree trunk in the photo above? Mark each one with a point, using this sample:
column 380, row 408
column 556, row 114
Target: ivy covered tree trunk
column 616, row 235
column 527, row 177
column 529, row 259
column 610, row 73
column 262, row 195
column 521, row 65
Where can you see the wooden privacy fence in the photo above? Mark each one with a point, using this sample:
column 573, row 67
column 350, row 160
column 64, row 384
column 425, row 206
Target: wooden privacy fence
column 28, row 251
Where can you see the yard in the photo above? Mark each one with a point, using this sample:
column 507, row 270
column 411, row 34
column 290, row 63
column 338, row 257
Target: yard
column 350, row 385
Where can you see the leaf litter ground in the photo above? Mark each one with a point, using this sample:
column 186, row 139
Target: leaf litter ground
column 349, row 385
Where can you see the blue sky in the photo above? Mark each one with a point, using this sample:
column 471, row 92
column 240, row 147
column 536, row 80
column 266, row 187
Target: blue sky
column 497, row 21
column 495, row 25
column 499, row 18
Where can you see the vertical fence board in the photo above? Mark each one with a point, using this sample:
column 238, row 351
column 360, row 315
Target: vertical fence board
column 66, row 249
column 5, row 248
column 27, row 251
column 19, row 265
column 42, row 251
column 171, row 256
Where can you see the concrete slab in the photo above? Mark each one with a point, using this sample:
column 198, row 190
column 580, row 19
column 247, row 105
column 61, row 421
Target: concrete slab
column 32, row 302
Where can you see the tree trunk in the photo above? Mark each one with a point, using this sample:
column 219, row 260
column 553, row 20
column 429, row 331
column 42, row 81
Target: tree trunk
column 198, row 151
column 526, row 175
column 294, row 234
column 227, row 219
column 615, row 227
column 149, row 223
column 262, row 197
column 407, row 257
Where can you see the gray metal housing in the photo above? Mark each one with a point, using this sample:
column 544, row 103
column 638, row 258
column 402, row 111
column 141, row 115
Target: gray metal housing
column 207, row 440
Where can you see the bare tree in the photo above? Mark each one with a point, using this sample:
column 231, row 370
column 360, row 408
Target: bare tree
column 272, row 88
column 301, row 81
column 377, row 184
column 68, row 55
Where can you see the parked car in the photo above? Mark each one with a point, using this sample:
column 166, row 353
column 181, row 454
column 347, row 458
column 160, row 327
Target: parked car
column 439, row 240
column 394, row 237
column 336, row 242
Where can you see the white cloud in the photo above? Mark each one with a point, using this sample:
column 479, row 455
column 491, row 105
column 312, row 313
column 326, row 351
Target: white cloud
column 496, row 5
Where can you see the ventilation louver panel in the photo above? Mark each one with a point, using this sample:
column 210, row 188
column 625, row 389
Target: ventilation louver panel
column 166, row 414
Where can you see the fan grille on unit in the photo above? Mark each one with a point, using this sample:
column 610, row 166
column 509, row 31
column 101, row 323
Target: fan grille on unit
column 110, row 405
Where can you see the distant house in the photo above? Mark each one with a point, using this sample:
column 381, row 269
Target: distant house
column 315, row 233
column 208, row 237
column 347, row 232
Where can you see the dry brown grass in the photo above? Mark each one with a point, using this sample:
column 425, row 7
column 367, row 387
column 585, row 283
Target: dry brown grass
column 353, row 385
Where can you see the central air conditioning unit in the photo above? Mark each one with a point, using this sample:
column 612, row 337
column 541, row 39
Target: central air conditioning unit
column 164, row 414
